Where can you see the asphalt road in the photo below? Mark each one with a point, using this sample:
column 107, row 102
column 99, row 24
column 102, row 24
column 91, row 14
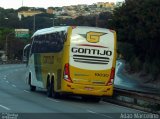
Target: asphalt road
column 17, row 101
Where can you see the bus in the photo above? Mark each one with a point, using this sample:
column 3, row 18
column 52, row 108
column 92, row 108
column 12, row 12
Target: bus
column 77, row 60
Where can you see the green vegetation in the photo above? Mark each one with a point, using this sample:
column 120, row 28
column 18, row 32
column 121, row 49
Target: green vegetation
column 9, row 21
column 15, row 45
column 137, row 23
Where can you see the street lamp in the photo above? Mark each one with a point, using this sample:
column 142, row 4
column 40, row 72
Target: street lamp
column 53, row 20
column 7, row 44
column 97, row 19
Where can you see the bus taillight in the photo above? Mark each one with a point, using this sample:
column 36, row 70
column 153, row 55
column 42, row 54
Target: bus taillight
column 67, row 73
column 73, row 27
column 111, row 79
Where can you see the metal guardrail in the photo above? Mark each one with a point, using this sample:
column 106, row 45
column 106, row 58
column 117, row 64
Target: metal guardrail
column 138, row 95
column 138, row 100
column 11, row 62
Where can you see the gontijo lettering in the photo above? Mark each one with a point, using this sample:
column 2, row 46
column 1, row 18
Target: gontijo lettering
column 91, row 51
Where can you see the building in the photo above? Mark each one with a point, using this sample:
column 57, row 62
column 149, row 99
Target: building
column 50, row 10
column 28, row 13
column 105, row 4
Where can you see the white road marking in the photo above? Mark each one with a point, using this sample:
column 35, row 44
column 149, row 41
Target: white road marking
column 26, row 91
column 104, row 102
column 14, row 85
column 105, row 115
column 53, row 100
column 90, row 111
column 4, row 107
column 122, row 106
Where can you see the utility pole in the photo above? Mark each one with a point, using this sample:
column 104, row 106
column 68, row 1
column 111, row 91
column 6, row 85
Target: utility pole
column 53, row 22
column 34, row 23
column 0, row 19
column 97, row 18
column 22, row 3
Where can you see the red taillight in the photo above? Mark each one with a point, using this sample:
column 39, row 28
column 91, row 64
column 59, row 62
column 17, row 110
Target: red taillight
column 67, row 73
column 73, row 27
column 111, row 79
column 111, row 30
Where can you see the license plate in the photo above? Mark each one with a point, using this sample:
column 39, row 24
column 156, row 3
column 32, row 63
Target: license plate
column 88, row 88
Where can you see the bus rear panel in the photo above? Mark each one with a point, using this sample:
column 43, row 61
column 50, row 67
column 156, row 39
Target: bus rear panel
column 91, row 62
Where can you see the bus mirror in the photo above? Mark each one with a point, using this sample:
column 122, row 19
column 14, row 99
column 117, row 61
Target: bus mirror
column 26, row 51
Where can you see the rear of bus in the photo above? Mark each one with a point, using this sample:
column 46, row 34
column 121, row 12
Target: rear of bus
column 91, row 65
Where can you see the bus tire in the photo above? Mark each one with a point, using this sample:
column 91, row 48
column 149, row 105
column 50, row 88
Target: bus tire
column 96, row 99
column 91, row 99
column 49, row 88
column 32, row 88
column 55, row 95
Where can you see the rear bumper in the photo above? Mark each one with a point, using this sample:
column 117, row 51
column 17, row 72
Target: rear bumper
column 87, row 89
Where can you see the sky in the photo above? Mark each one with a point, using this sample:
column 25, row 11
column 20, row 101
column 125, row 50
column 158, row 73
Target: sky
column 15, row 4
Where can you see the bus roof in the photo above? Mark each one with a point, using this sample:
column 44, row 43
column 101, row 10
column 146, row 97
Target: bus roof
column 50, row 30
column 61, row 28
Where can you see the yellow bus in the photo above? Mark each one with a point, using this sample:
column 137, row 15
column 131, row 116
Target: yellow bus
column 73, row 60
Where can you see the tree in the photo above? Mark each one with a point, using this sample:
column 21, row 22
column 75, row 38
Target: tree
column 137, row 22
column 104, row 19
column 3, row 34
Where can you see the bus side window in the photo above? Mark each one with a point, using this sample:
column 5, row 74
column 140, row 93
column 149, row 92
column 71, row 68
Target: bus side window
column 44, row 44
column 48, row 43
column 36, row 44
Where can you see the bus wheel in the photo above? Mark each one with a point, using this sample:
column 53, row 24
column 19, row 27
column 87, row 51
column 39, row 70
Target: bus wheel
column 54, row 94
column 96, row 99
column 91, row 99
column 49, row 88
column 32, row 88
